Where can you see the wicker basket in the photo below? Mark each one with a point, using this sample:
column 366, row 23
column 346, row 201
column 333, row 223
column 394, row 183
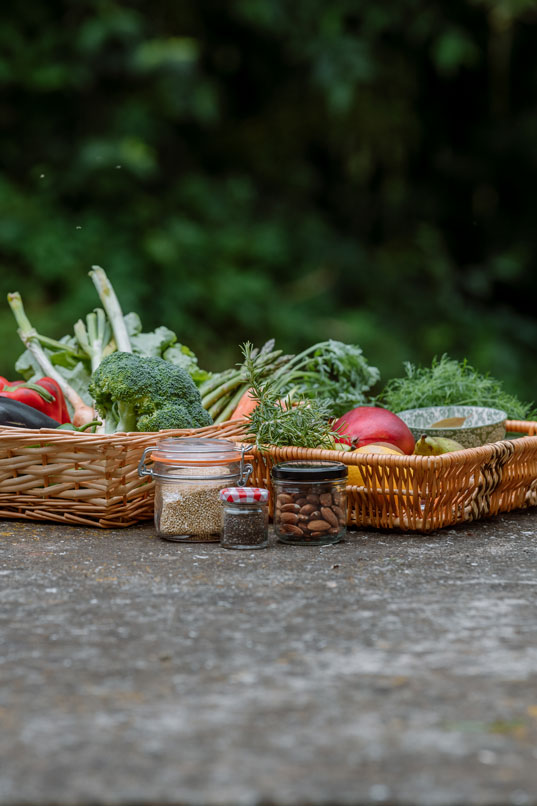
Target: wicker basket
column 422, row 493
column 89, row 479
column 93, row 480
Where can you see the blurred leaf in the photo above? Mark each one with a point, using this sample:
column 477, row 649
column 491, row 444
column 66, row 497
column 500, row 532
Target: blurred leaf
column 454, row 49
column 157, row 53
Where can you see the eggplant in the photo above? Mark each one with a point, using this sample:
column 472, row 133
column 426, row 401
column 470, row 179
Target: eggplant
column 20, row 415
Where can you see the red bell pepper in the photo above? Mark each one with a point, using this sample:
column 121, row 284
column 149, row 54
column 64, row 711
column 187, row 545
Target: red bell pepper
column 45, row 396
column 54, row 389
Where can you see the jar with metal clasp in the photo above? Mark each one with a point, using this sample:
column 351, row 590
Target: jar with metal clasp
column 189, row 474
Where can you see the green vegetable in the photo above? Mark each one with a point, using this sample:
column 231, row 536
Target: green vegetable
column 75, row 357
column 220, row 391
column 174, row 415
column 111, row 305
column 282, row 422
column 336, row 372
column 94, row 336
column 449, row 382
column 82, row 412
column 182, row 356
column 332, row 370
column 135, row 393
column 70, row 427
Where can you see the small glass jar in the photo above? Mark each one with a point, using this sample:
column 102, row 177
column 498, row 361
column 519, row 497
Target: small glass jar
column 310, row 502
column 189, row 474
column 244, row 518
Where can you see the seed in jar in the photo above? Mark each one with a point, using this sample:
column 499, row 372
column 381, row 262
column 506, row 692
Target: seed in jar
column 315, row 515
column 301, row 501
column 329, row 515
column 319, row 526
column 290, row 508
column 284, row 498
column 189, row 510
column 289, row 517
column 307, row 509
column 325, row 499
column 312, row 498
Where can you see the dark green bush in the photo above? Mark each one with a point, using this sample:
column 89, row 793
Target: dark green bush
column 355, row 170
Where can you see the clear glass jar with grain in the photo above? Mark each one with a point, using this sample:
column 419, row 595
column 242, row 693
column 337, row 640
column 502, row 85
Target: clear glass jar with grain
column 189, row 474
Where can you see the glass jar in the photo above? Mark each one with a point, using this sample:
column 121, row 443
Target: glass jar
column 244, row 518
column 310, row 502
column 189, row 474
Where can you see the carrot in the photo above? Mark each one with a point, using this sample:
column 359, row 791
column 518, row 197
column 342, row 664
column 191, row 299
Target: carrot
column 245, row 406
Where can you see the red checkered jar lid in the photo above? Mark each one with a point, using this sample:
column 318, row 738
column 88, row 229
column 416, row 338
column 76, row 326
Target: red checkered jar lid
column 244, row 495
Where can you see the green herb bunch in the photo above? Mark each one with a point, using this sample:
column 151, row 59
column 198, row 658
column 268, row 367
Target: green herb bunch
column 449, row 382
column 276, row 421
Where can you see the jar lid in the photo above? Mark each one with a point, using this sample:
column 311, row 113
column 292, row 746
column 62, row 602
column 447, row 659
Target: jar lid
column 244, row 495
column 192, row 451
column 310, row 471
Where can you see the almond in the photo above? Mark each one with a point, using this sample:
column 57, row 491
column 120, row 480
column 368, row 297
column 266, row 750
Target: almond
column 329, row 515
column 339, row 512
column 290, row 508
column 318, row 526
column 289, row 529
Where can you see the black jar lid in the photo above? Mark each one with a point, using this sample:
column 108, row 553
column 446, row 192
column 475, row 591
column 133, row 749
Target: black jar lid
column 310, row 471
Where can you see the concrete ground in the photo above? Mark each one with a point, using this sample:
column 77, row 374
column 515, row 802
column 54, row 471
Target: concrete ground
column 389, row 669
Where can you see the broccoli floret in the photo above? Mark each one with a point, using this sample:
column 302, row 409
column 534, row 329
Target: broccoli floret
column 175, row 415
column 136, row 393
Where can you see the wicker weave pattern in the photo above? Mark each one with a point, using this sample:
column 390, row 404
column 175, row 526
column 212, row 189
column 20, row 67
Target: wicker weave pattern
column 89, row 479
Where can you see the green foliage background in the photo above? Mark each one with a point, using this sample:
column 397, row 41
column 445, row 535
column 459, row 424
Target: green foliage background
column 290, row 168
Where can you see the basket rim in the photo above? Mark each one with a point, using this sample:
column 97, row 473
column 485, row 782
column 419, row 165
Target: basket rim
column 482, row 453
column 11, row 434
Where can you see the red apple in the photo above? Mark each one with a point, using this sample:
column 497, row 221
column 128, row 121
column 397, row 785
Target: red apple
column 366, row 424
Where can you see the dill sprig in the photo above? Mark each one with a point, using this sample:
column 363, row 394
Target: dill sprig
column 277, row 421
column 449, row 382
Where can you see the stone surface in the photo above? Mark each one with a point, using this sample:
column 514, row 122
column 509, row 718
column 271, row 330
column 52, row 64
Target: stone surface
column 390, row 668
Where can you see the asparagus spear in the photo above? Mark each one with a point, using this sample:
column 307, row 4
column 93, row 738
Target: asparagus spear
column 220, row 391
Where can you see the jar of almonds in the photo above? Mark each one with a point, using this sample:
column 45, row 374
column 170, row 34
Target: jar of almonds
column 310, row 502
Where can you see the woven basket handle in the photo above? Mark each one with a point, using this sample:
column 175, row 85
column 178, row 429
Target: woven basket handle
column 491, row 474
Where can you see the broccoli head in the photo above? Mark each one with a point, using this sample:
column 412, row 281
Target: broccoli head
column 137, row 393
column 175, row 415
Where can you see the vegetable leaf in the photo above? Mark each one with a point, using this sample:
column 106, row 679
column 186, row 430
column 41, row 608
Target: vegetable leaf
column 331, row 370
column 182, row 356
column 153, row 344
